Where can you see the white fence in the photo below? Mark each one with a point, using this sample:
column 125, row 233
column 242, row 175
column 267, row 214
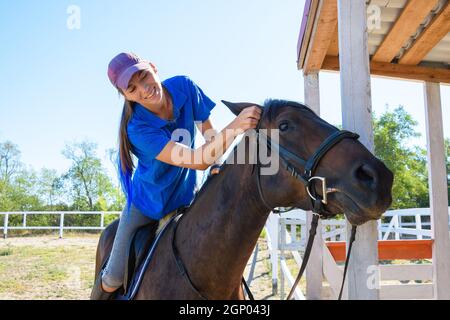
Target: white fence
column 286, row 233
column 402, row 224
column 332, row 230
column 61, row 227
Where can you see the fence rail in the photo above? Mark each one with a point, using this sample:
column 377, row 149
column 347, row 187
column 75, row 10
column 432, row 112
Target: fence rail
column 332, row 230
column 61, row 227
column 404, row 224
column 287, row 233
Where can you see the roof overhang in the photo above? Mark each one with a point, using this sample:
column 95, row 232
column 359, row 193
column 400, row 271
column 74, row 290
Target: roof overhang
column 408, row 39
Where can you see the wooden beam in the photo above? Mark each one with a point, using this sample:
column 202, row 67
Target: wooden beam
column 356, row 104
column 389, row 249
column 392, row 70
column 312, row 91
column 439, row 27
column 437, row 182
column 305, row 35
column 333, row 273
column 324, row 27
column 421, row 291
column 411, row 271
column 314, row 279
column 406, row 25
column 333, row 50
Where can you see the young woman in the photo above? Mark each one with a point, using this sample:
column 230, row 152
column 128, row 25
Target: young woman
column 163, row 180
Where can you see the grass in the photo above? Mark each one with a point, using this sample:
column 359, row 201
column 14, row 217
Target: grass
column 6, row 252
column 45, row 267
column 48, row 268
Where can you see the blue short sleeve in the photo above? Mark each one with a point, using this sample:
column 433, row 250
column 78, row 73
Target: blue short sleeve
column 147, row 142
column 202, row 104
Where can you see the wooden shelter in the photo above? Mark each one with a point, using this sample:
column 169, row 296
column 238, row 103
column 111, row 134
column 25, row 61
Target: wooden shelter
column 404, row 39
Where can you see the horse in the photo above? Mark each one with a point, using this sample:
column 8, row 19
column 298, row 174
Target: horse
column 219, row 230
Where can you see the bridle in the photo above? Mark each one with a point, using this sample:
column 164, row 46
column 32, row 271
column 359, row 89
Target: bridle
column 308, row 179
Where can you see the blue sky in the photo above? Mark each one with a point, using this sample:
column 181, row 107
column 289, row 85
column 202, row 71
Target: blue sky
column 54, row 88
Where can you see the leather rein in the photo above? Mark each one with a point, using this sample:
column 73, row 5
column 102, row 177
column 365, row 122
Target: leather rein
column 308, row 179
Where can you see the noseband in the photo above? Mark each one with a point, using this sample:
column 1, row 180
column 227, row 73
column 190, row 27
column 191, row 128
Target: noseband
column 307, row 178
column 291, row 162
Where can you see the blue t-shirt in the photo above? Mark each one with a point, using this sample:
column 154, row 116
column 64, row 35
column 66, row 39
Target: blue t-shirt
column 158, row 187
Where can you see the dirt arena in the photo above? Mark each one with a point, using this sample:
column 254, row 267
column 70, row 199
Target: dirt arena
column 45, row 267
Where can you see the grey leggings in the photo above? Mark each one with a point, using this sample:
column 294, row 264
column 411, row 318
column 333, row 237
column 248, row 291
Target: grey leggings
column 114, row 272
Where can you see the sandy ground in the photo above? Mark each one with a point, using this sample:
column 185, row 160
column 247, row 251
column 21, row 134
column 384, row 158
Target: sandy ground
column 50, row 241
column 45, row 267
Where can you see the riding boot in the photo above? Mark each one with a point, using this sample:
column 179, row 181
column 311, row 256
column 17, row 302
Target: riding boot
column 97, row 291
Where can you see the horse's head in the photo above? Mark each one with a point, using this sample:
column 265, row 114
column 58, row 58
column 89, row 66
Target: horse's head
column 358, row 183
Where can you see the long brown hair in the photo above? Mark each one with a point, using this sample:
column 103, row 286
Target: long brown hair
column 125, row 160
column 124, row 143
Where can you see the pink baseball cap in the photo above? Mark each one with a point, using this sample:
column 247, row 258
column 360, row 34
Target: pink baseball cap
column 123, row 66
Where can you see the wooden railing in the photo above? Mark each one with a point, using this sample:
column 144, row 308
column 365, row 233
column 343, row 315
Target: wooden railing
column 409, row 237
column 61, row 226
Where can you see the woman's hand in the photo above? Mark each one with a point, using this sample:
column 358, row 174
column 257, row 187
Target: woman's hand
column 201, row 158
column 215, row 169
column 247, row 119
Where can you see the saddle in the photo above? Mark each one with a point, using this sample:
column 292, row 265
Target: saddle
column 140, row 252
column 138, row 246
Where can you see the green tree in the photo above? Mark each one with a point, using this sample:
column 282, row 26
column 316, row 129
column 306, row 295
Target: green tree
column 24, row 193
column 17, row 184
column 50, row 187
column 9, row 161
column 86, row 179
column 392, row 131
column 117, row 196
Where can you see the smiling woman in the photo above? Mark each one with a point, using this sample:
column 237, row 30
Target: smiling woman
column 153, row 110
column 145, row 88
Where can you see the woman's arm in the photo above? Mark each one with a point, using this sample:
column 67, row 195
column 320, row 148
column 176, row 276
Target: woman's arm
column 204, row 156
column 206, row 129
column 208, row 132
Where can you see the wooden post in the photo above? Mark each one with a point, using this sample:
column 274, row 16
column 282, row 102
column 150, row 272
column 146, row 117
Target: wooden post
column 24, row 220
column 61, row 225
column 314, row 273
column 380, row 233
column 102, row 220
column 272, row 234
column 419, row 227
column 437, row 181
column 312, row 91
column 396, row 226
column 253, row 265
column 357, row 116
column 5, row 226
column 282, row 243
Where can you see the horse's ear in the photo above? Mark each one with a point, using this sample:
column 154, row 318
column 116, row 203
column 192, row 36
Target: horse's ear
column 237, row 107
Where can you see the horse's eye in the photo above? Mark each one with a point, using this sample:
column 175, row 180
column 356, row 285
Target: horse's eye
column 283, row 126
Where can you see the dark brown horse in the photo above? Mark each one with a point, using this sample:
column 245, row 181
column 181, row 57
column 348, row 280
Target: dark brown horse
column 217, row 235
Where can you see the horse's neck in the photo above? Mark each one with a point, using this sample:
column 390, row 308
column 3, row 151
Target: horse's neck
column 222, row 228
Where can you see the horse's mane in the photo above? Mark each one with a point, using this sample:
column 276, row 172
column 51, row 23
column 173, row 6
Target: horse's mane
column 274, row 104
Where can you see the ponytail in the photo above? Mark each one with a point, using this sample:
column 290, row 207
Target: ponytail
column 125, row 163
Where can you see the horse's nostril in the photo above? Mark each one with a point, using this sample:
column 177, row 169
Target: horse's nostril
column 367, row 175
